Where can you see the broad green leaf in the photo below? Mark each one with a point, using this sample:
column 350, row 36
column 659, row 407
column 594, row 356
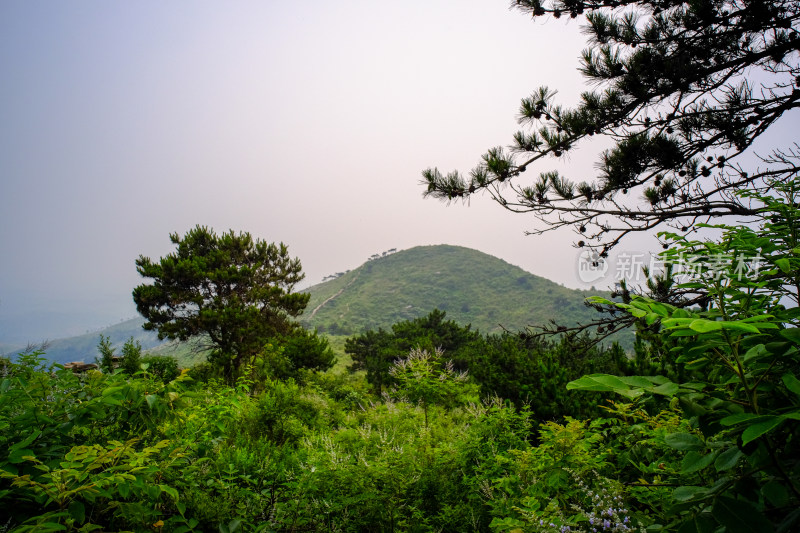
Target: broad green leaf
column 691, row 406
column 683, row 333
column 20, row 455
column 738, row 418
column 77, row 511
column 151, row 400
column 112, row 400
column 24, row 443
column 702, row 325
column 683, row 494
column 757, row 351
column 684, row 441
column 659, row 309
column 603, row 383
column 651, row 318
column 697, row 363
column 641, row 303
column 784, row 264
column 666, row 389
column 173, row 493
column 754, row 431
column 680, row 313
column 740, row 326
column 693, row 285
column 50, row 526
column 739, row 516
column 676, row 322
column 791, row 382
column 793, row 334
column 728, row 459
column 776, row 493
column 694, row 461
column 112, row 390
column 658, row 380
column 757, row 318
column 636, row 381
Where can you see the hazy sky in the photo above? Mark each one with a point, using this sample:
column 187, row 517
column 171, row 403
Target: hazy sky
column 302, row 122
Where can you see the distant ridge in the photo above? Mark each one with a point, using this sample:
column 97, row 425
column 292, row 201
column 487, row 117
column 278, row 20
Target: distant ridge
column 471, row 286
column 84, row 347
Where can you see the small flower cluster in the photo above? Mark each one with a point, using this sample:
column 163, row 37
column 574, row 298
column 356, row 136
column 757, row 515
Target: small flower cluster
column 603, row 512
column 606, row 511
column 608, row 518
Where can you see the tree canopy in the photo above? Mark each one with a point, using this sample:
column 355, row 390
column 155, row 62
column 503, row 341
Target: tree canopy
column 230, row 288
column 682, row 91
column 376, row 351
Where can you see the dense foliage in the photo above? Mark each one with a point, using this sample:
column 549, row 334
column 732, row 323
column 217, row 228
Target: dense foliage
column 704, row 439
column 116, row 452
column 441, row 428
column 742, row 357
column 375, row 351
column 518, row 368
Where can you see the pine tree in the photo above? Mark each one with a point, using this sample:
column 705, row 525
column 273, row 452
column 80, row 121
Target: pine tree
column 131, row 356
column 106, row 359
column 230, row 289
column 683, row 89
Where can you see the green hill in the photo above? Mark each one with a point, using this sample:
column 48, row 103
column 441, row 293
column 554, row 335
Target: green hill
column 471, row 286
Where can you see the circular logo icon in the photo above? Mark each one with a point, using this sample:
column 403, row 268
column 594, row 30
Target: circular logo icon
column 591, row 267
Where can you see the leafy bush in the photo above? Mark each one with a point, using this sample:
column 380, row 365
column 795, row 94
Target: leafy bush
column 83, row 451
column 740, row 465
column 162, row 367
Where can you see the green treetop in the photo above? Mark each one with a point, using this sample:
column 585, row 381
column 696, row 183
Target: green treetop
column 231, row 289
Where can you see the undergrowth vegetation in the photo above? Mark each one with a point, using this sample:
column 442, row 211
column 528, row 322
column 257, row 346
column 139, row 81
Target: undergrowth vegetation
column 493, row 433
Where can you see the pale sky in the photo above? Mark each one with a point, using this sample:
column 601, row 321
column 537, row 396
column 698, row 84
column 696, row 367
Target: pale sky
column 302, row 122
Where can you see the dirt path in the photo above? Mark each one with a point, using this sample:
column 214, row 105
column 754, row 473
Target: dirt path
column 317, row 308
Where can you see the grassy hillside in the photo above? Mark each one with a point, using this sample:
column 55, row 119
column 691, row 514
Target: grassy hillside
column 471, row 286
column 187, row 353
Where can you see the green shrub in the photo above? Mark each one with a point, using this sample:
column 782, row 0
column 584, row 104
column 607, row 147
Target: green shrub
column 740, row 466
column 162, row 367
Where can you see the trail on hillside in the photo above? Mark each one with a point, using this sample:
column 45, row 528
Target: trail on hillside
column 317, row 308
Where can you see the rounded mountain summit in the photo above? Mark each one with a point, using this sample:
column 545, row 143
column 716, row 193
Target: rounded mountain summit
column 470, row 286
